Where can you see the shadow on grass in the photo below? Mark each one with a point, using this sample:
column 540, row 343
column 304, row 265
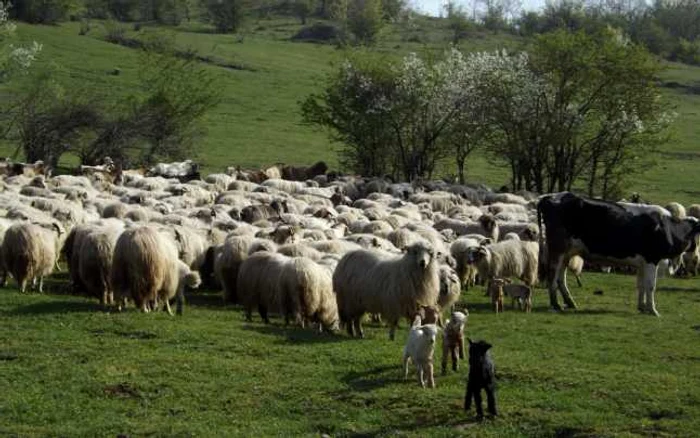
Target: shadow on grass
column 296, row 335
column 56, row 307
column 677, row 289
column 209, row 301
column 378, row 377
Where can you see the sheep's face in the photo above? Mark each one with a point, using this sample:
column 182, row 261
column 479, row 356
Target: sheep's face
column 422, row 254
column 474, row 255
column 430, row 333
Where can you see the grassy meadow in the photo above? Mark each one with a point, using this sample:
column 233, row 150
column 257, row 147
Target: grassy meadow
column 67, row 368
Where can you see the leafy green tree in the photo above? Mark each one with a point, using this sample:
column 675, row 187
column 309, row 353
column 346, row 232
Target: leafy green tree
column 226, row 15
column 365, row 20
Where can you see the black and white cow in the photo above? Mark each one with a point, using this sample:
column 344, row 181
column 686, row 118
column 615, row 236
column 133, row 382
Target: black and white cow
column 610, row 233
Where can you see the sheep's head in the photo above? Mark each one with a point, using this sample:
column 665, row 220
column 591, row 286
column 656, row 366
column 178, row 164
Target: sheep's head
column 478, row 350
column 193, row 280
column 457, row 321
column 430, row 332
column 531, row 233
column 488, row 222
column 474, row 255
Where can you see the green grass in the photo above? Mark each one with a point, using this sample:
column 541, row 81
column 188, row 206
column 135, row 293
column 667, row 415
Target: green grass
column 69, row 369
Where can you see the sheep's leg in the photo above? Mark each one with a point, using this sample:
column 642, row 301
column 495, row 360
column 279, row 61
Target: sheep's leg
column 421, row 381
column 477, row 402
column 491, row 401
column 350, row 328
column 167, row 308
column 33, row 284
column 249, row 314
column 392, row 329
column 22, row 283
column 461, row 347
column 405, row 366
column 454, row 357
column 650, row 270
column 445, row 353
column 468, row 394
column 429, row 370
column 180, row 302
column 263, row 313
column 3, row 278
column 578, row 280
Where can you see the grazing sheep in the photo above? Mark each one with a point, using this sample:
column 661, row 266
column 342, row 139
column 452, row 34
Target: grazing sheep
column 145, row 268
column 393, row 286
column 453, row 340
column 486, row 225
column 511, row 258
column 30, row 251
column 495, row 291
column 694, row 211
column 676, row 209
column 306, row 291
column 419, row 348
column 576, row 267
column 227, row 264
column 524, row 231
column 95, row 261
column 257, row 284
column 450, row 288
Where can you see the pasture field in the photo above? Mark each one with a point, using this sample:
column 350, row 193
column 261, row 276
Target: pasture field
column 69, row 369
column 258, row 121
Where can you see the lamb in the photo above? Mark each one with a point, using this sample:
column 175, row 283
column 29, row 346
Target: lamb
column 30, row 251
column 419, row 349
column 393, row 286
column 520, row 292
column 482, row 375
column 145, row 268
column 453, row 340
column 306, row 291
column 511, row 258
column 495, row 291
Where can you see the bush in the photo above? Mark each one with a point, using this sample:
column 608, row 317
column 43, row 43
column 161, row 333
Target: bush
column 320, row 33
column 41, row 11
column 225, row 15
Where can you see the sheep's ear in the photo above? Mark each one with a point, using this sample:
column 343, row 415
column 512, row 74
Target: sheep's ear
column 470, row 341
column 178, row 235
column 375, row 241
column 486, row 241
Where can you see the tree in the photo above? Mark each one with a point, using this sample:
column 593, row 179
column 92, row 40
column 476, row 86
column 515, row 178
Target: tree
column 365, row 20
column 226, row 15
column 13, row 59
column 582, row 109
column 43, row 11
column 458, row 21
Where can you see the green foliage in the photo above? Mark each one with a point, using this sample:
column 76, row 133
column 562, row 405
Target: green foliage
column 225, row 15
column 458, row 21
column 601, row 371
column 43, row 11
column 365, row 20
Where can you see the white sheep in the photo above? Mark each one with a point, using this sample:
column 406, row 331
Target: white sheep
column 419, row 348
column 30, row 252
column 95, row 261
column 511, row 258
column 391, row 285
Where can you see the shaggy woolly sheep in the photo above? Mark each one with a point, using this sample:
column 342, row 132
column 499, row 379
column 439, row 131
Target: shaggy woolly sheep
column 393, row 286
column 576, row 267
column 676, row 209
column 694, row 211
column 511, row 258
column 460, row 249
column 95, row 261
column 145, row 268
column 486, row 225
column 257, row 284
column 306, row 293
column 453, row 340
column 30, row 251
column 450, row 288
column 232, row 254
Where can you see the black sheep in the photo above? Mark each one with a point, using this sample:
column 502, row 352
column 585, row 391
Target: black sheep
column 482, row 375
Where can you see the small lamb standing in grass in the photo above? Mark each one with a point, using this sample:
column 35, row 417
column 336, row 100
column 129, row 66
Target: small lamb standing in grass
column 495, row 291
column 520, row 292
column 419, row 348
column 453, row 340
column 482, row 375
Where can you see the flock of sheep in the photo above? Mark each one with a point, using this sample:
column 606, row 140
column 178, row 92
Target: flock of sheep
column 313, row 247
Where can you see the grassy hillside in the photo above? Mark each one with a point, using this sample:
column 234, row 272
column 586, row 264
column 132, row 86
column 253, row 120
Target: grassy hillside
column 258, row 121
column 69, row 369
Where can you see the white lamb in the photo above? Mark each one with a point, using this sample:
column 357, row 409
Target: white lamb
column 419, row 348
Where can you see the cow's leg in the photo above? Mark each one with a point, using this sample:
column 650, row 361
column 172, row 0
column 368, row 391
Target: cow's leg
column 553, row 274
column 650, row 271
column 641, row 295
column 561, row 282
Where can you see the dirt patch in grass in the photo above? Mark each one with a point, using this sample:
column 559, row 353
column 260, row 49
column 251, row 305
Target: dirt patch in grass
column 121, row 390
